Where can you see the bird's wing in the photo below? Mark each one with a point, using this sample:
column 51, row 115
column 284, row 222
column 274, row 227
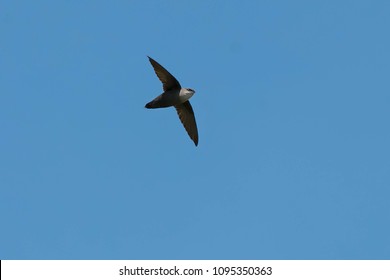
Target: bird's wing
column 169, row 82
column 187, row 118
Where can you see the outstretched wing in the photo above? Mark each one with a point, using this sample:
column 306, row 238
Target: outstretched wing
column 187, row 118
column 169, row 82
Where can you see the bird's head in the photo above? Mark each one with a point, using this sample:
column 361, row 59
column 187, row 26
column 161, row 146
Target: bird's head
column 189, row 91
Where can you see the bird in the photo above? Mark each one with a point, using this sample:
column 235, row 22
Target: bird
column 176, row 96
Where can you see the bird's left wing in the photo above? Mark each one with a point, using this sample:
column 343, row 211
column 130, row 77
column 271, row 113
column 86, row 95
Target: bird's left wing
column 187, row 118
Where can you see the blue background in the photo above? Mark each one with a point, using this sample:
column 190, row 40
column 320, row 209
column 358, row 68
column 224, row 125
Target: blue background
column 292, row 104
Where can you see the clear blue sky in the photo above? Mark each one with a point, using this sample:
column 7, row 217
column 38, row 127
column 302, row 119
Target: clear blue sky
column 293, row 109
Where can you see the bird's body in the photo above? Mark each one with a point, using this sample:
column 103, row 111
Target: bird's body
column 175, row 95
column 170, row 98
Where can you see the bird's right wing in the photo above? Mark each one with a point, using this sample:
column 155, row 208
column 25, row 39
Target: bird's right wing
column 169, row 82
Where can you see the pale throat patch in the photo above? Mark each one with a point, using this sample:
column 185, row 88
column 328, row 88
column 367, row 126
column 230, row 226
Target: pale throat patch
column 184, row 95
